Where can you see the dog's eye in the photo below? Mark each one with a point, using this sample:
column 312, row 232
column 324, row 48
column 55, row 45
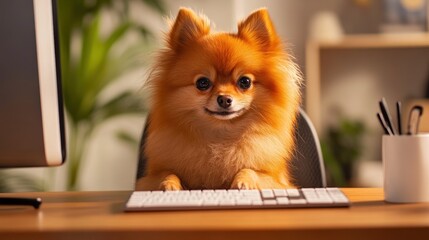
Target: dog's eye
column 244, row 82
column 203, row 83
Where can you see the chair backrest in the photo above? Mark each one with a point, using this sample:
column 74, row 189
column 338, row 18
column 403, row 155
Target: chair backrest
column 307, row 164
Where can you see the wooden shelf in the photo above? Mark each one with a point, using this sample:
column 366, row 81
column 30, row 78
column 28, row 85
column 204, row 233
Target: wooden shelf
column 352, row 42
column 377, row 41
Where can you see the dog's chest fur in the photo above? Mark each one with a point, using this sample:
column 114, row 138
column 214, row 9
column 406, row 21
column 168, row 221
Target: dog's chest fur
column 219, row 165
column 212, row 165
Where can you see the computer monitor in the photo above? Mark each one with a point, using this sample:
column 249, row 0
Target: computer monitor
column 31, row 110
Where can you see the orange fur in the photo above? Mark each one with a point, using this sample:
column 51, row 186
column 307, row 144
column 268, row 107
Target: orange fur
column 189, row 148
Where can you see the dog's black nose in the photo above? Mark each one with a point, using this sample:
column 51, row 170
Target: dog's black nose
column 224, row 101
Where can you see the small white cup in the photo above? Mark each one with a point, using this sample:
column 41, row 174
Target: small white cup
column 406, row 168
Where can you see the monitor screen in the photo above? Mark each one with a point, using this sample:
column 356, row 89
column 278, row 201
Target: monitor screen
column 31, row 111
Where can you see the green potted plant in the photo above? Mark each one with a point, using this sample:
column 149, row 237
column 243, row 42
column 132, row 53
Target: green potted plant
column 94, row 65
column 341, row 147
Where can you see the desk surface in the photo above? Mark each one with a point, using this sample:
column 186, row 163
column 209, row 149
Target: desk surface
column 99, row 215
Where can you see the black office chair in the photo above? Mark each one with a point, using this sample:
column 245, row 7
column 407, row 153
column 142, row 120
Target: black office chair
column 307, row 164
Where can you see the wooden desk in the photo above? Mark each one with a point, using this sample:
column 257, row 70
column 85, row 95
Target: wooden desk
column 99, row 215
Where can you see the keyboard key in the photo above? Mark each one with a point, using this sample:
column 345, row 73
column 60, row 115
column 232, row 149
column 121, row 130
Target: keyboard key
column 282, row 200
column 267, row 193
column 173, row 204
column 292, row 192
column 280, row 192
column 270, row 202
column 341, row 200
column 299, row 201
column 337, row 195
column 244, row 202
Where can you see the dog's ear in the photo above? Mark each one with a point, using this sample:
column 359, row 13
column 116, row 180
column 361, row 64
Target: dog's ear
column 187, row 28
column 258, row 28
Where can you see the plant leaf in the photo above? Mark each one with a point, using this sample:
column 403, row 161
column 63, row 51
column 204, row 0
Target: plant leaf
column 117, row 35
column 333, row 166
column 127, row 138
column 10, row 182
column 124, row 103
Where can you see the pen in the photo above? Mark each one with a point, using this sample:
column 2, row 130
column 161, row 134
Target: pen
column 386, row 115
column 399, row 116
column 383, row 124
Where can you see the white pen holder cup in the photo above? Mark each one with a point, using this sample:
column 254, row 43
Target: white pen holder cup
column 406, row 168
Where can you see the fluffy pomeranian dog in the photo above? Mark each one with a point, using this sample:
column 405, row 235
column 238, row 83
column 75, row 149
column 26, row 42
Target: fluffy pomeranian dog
column 223, row 109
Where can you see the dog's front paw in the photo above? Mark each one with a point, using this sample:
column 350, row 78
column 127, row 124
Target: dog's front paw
column 171, row 183
column 243, row 184
column 245, row 179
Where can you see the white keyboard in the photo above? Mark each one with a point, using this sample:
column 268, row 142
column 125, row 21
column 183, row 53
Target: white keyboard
column 236, row 199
